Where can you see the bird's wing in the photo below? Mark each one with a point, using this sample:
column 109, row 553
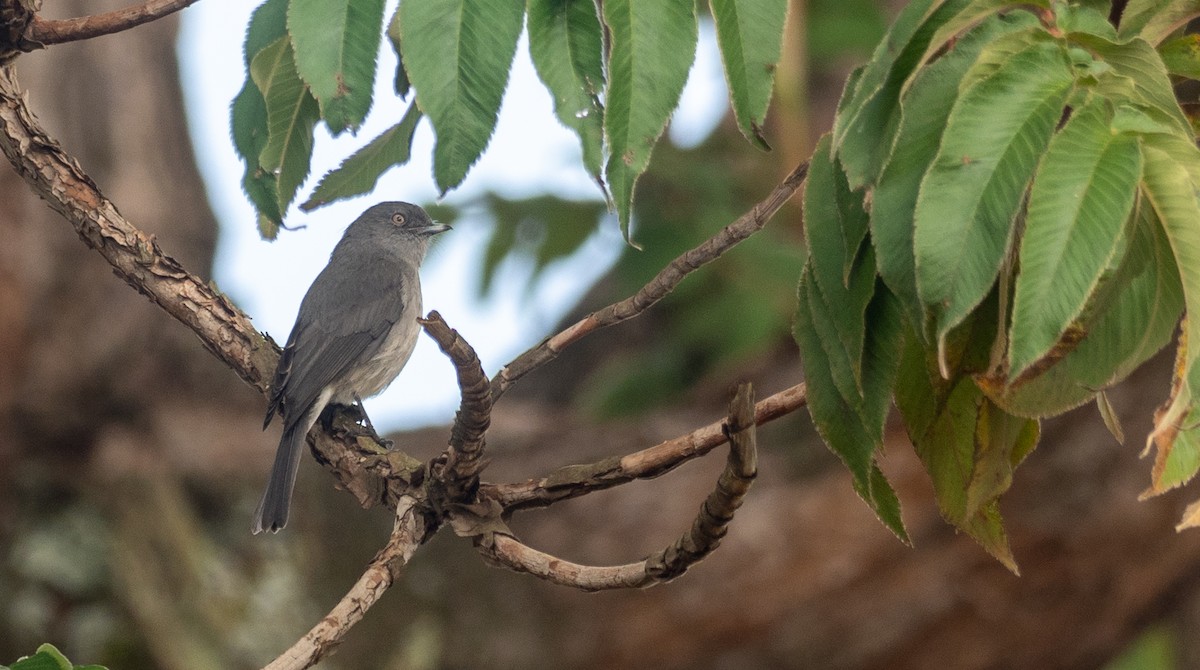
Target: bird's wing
column 355, row 317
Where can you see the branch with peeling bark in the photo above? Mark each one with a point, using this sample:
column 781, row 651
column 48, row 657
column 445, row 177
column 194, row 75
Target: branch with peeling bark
column 446, row 491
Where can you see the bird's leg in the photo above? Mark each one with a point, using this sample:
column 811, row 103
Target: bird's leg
column 366, row 421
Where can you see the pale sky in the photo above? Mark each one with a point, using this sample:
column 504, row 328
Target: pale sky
column 531, row 153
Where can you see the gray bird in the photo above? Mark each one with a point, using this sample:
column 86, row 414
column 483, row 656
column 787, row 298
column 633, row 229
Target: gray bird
column 356, row 329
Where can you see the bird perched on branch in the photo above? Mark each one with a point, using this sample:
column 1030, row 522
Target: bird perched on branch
column 356, row 329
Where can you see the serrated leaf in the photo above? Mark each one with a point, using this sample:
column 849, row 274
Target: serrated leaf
column 967, row 15
column 458, row 54
column 750, row 36
column 863, row 139
column 360, row 172
column 1171, row 191
column 1154, row 20
column 566, row 47
column 1138, row 61
column 651, row 48
column 291, row 115
column 401, row 82
column 834, row 227
column 1081, row 198
column 267, row 24
column 965, row 215
column 336, row 43
column 1140, row 321
column 840, row 424
column 924, row 109
column 1182, row 56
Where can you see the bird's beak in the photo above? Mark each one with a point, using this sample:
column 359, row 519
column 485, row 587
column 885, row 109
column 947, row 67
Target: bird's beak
column 434, row 228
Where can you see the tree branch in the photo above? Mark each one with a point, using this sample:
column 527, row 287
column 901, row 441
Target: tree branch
column 47, row 31
column 702, row 538
column 408, row 533
column 663, row 283
column 135, row 256
column 573, row 481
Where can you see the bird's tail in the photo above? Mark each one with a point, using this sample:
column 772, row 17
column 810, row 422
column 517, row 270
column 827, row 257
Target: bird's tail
column 272, row 512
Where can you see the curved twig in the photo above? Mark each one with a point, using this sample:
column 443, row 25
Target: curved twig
column 702, row 538
column 460, row 466
column 663, row 283
column 573, row 481
column 50, row 31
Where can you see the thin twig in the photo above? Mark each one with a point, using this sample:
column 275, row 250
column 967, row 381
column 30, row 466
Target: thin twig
column 662, row 284
column 50, row 31
column 699, row 541
column 409, row 532
column 576, row 480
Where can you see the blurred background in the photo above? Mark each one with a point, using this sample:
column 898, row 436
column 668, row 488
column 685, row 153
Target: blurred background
column 131, row 460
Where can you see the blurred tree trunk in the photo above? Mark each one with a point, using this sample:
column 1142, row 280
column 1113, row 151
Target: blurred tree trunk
column 106, row 405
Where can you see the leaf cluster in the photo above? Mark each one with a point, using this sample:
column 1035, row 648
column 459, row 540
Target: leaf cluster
column 1002, row 223
column 615, row 71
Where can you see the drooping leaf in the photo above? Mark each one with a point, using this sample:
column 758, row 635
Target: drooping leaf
column 360, row 172
column 565, row 43
column 834, row 227
column 1138, row 61
column 457, row 54
column 401, row 82
column 1080, row 200
column 862, row 138
column 839, row 423
column 1154, row 20
column 969, row 15
column 336, row 43
column 1139, row 321
column 924, row 110
column 750, row 35
column 1171, row 191
column 970, row 196
column 248, row 118
column 651, row 48
column 291, row 114
column 1182, row 55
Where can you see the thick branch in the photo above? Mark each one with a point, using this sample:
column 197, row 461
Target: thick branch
column 663, row 283
column 46, row 31
column 408, row 533
column 135, row 256
column 573, row 481
column 699, row 541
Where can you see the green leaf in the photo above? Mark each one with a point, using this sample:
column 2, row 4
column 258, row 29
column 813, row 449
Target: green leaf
column 750, row 35
column 360, row 172
column 972, row 193
column 1171, row 191
column 1138, row 61
column 1154, row 20
column 651, row 48
column 924, row 110
column 291, row 114
column 401, row 82
column 862, row 137
column 839, row 423
column 248, row 117
column 1139, row 321
column 457, row 54
column 967, row 15
column 1081, row 198
column 336, row 43
column 1182, row 56
column 48, row 657
column 834, row 227
column 565, row 44
column 249, row 120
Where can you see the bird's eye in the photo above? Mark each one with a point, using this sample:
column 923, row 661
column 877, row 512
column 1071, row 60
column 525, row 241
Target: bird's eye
column 398, row 219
